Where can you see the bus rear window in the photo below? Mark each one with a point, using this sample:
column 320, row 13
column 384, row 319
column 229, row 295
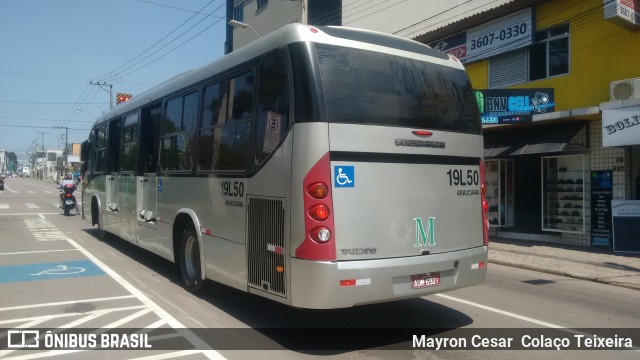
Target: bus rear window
column 366, row 87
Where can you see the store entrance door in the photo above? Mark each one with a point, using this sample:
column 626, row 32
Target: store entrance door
column 528, row 194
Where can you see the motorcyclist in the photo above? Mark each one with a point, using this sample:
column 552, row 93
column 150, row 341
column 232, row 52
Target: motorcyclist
column 67, row 181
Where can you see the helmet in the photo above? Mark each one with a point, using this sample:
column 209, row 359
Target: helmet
column 67, row 177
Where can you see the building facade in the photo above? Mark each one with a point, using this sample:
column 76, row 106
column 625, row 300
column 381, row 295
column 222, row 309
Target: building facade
column 558, row 86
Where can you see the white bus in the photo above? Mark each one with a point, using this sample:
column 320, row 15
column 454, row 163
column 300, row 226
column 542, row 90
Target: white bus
column 320, row 167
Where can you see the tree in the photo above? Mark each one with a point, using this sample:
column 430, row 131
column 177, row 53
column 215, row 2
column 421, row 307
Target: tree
column 12, row 162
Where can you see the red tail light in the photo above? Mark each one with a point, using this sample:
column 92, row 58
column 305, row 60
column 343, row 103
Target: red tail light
column 485, row 205
column 68, row 195
column 319, row 243
column 319, row 212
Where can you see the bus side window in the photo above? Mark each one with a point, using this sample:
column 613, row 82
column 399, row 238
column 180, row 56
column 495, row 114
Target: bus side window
column 214, row 114
column 101, row 149
column 178, row 140
column 273, row 106
column 231, row 138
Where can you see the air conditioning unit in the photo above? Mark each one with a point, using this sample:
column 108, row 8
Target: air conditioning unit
column 624, row 89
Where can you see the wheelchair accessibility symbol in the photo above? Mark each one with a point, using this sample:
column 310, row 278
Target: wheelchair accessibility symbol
column 344, row 176
column 61, row 270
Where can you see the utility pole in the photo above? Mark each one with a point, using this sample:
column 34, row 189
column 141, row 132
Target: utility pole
column 66, row 145
column 43, row 161
column 110, row 91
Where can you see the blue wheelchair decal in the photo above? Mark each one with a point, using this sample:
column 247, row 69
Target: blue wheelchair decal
column 344, row 176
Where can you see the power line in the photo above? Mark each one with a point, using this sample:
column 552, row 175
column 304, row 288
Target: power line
column 46, row 103
column 39, row 127
column 170, row 51
column 177, row 8
column 114, row 75
column 40, row 119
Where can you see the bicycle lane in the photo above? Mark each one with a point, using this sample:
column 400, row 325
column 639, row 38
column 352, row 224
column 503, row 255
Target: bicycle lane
column 48, row 281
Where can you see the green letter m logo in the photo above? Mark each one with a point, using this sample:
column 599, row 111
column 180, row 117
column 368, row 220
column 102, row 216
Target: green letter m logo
column 428, row 237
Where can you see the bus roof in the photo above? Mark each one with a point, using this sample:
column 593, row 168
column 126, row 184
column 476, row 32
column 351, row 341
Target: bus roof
column 292, row 33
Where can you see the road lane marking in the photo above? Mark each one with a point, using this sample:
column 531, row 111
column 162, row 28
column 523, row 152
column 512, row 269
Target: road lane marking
column 520, row 317
column 168, row 318
column 4, row 206
column 69, row 314
column 502, row 312
column 27, row 214
column 71, row 302
column 48, row 271
column 35, row 252
column 32, row 206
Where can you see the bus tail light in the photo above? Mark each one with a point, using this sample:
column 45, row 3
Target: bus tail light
column 320, row 235
column 318, row 190
column 319, row 242
column 319, row 212
column 485, row 205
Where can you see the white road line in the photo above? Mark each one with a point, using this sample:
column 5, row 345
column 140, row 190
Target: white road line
column 57, row 316
column 35, row 252
column 502, row 312
column 4, row 206
column 169, row 355
column 66, row 302
column 520, row 317
column 170, row 320
column 26, row 214
column 125, row 320
column 13, row 191
column 31, row 192
column 48, row 192
column 32, row 206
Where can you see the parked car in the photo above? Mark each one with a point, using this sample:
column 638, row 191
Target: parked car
column 2, row 182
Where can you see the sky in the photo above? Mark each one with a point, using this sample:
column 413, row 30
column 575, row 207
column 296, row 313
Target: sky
column 50, row 51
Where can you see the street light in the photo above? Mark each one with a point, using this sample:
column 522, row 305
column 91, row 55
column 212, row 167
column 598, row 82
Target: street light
column 241, row 25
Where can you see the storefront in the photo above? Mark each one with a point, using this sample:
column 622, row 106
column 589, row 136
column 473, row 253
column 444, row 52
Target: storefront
column 621, row 130
column 532, row 172
column 555, row 178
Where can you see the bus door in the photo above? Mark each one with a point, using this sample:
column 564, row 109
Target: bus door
column 126, row 196
column 113, row 159
column 147, row 183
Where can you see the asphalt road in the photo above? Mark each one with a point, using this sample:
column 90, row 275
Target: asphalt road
column 55, row 272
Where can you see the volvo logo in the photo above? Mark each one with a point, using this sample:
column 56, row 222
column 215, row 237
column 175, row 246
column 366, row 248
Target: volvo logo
column 359, row 251
column 420, row 143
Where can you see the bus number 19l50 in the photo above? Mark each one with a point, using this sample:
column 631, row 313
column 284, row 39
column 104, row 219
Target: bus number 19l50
column 457, row 177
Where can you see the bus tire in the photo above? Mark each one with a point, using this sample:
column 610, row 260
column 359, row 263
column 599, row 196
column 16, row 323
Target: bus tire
column 190, row 261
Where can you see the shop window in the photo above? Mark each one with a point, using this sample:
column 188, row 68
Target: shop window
column 565, row 194
column 260, row 4
column 499, row 182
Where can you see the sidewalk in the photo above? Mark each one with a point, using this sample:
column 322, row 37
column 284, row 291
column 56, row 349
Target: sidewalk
column 586, row 263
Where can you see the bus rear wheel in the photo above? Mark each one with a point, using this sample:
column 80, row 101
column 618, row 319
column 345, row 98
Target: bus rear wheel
column 190, row 261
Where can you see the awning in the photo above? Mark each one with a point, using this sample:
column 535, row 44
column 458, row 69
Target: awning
column 533, row 139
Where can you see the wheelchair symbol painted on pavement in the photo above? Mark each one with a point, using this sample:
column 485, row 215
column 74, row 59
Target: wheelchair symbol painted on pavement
column 61, row 270
column 344, row 176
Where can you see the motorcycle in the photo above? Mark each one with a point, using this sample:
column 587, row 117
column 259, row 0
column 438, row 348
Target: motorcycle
column 69, row 199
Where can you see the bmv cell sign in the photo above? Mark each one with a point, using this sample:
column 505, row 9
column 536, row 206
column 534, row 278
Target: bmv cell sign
column 513, row 106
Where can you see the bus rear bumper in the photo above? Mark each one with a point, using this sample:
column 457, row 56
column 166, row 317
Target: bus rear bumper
column 326, row 285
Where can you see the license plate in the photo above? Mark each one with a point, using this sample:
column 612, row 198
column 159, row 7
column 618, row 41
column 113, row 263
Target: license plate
column 69, row 202
column 425, row 280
